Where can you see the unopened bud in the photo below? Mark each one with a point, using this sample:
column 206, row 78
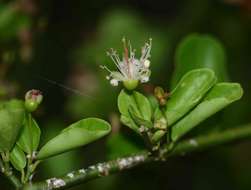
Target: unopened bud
column 32, row 99
column 159, row 92
column 161, row 95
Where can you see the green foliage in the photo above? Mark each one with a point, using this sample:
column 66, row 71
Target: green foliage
column 198, row 51
column 11, row 21
column 134, row 108
column 161, row 119
column 220, row 96
column 136, row 100
column 138, row 120
column 30, row 135
column 188, row 93
column 77, row 134
column 17, row 158
column 193, row 100
column 11, row 119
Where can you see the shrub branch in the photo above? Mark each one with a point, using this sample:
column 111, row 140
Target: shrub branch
column 107, row 168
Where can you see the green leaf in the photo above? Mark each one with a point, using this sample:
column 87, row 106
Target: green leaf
column 78, row 134
column 138, row 119
column 140, row 106
column 30, row 135
column 17, row 158
column 153, row 102
column 220, row 96
column 11, row 120
column 198, row 51
column 128, row 121
column 188, row 93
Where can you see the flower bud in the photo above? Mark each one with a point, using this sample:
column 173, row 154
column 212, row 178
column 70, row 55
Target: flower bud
column 159, row 92
column 161, row 95
column 32, row 99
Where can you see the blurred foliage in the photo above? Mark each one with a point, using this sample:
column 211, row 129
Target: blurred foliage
column 12, row 21
column 119, row 144
column 197, row 51
column 57, row 47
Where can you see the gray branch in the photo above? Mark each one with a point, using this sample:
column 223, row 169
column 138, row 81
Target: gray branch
column 121, row 164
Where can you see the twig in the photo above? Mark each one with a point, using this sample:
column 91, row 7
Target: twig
column 7, row 172
column 121, row 164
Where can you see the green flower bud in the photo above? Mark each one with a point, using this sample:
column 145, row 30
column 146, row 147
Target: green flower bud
column 32, row 99
column 130, row 84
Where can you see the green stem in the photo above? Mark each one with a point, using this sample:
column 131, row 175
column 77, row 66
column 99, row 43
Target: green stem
column 7, row 171
column 22, row 176
column 120, row 164
column 28, row 169
column 1, row 164
column 14, row 181
column 214, row 139
column 29, row 159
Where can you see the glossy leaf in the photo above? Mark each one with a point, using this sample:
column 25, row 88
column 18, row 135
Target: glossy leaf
column 198, row 51
column 138, row 101
column 138, row 119
column 188, row 93
column 30, row 135
column 220, row 96
column 128, row 121
column 17, row 158
column 78, row 134
column 11, row 120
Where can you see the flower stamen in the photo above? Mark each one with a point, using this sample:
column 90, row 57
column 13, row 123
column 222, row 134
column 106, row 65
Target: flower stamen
column 129, row 67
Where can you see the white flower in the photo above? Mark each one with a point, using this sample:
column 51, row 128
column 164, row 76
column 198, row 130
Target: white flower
column 130, row 69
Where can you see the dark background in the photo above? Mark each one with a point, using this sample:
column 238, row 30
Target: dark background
column 59, row 46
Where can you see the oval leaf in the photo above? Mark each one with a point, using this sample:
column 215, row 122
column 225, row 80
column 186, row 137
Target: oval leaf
column 30, row 135
column 78, row 134
column 127, row 121
column 138, row 119
column 221, row 95
column 11, row 119
column 188, row 93
column 17, row 158
column 198, row 51
column 137, row 101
